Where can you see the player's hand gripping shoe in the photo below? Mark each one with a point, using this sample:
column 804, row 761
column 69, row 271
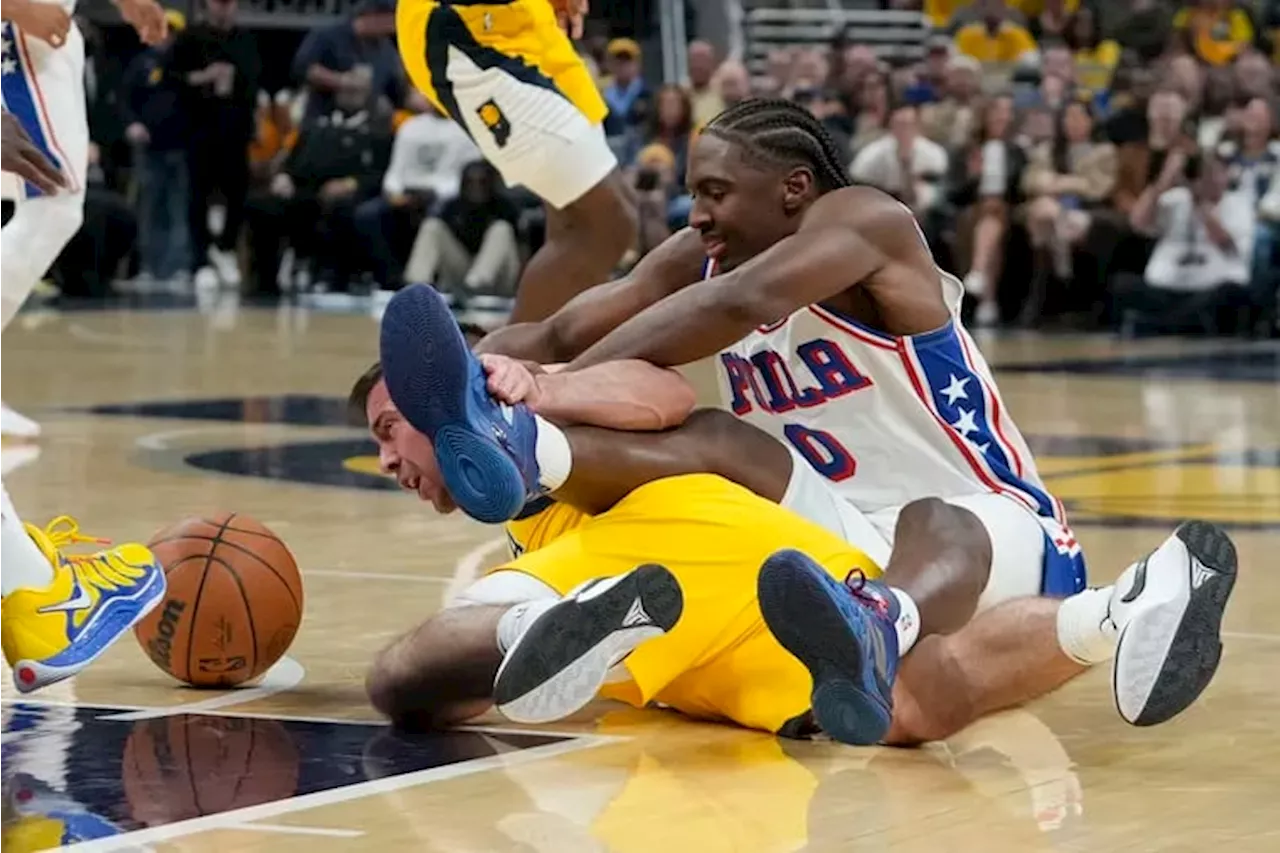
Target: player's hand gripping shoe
column 559, row 663
column 1167, row 611
column 844, row 634
column 53, row 633
column 485, row 449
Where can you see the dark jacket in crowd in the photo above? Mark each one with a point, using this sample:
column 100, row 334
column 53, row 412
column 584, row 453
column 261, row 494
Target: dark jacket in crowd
column 155, row 98
column 341, row 145
column 222, row 119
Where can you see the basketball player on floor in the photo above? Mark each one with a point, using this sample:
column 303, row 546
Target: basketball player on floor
column 837, row 332
column 43, row 87
column 60, row 612
column 508, row 74
column 553, row 623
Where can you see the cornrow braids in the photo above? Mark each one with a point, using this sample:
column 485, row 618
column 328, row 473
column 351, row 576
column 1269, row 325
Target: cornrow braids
column 782, row 133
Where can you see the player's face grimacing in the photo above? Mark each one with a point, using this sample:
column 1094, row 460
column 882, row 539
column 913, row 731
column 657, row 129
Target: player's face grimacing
column 742, row 207
column 404, row 452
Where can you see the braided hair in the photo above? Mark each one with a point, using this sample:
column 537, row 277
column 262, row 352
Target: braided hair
column 782, row 133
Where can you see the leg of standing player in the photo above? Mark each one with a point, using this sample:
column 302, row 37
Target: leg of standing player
column 585, row 239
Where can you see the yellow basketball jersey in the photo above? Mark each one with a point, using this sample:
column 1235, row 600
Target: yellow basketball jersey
column 720, row 661
column 521, row 37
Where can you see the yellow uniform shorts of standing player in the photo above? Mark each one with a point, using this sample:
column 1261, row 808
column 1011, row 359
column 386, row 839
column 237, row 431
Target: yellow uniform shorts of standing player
column 509, row 75
column 719, row 661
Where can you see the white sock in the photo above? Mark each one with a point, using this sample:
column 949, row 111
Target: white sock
column 513, row 623
column 908, row 623
column 25, row 567
column 1084, row 633
column 555, row 459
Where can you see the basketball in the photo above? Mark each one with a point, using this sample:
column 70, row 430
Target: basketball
column 233, row 604
column 177, row 768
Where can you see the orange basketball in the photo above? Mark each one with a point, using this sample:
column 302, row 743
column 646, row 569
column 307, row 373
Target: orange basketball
column 233, row 603
column 188, row 766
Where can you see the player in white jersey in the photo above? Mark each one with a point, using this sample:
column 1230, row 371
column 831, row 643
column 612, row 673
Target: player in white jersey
column 43, row 88
column 823, row 276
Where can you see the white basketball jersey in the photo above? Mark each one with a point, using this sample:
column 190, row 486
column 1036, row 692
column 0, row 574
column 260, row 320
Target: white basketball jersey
column 887, row 420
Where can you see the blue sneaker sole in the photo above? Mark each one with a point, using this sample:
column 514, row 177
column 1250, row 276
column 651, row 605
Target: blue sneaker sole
column 797, row 604
column 430, row 371
column 117, row 617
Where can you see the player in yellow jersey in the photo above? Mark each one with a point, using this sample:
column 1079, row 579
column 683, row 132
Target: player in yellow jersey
column 723, row 604
column 508, row 74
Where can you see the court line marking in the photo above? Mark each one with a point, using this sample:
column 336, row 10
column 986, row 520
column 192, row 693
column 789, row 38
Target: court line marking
column 300, row 830
column 285, row 674
column 236, row 818
column 468, row 567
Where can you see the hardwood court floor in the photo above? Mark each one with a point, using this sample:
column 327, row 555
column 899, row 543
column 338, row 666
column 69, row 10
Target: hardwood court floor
column 153, row 416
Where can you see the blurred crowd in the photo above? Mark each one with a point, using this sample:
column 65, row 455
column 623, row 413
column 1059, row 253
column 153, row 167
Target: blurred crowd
column 1074, row 165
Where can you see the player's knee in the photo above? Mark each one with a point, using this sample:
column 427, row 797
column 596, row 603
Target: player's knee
column 607, row 212
column 932, row 519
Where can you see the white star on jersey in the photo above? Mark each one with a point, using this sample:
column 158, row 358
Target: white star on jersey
column 965, row 424
column 8, row 66
column 955, row 391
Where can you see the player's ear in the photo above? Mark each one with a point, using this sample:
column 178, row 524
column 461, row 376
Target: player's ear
column 797, row 186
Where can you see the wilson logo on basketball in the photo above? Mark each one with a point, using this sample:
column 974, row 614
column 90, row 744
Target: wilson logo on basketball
column 161, row 645
column 222, row 665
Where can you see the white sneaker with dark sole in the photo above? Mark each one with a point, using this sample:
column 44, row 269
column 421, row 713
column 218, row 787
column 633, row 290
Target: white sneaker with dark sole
column 1168, row 608
column 560, row 662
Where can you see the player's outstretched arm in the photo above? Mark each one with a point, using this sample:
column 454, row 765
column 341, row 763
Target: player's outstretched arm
column 597, row 311
column 623, row 395
column 825, row 257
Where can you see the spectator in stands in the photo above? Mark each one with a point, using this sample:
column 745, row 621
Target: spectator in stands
column 904, row 163
column 220, row 65
column 1139, row 163
column 827, row 108
column 950, row 122
column 657, row 196
column 1066, row 180
column 1216, row 31
column 871, row 112
column 154, row 110
column 90, row 262
column 1218, row 112
column 276, row 132
column 984, row 182
column 1051, row 21
column 707, row 103
column 671, row 125
column 930, row 84
column 627, row 94
column 732, row 82
column 994, row 39
column 809, row 70
column 470, row 248
column 1254, row 75
column 427, row 159
column 1131, row 88
column 1186, row 75
column 856, row 63
column 337, row 163
column 362, row 45
column 1145, row 30
column 1198, row 274
column 1253, row 161
column 1095, row 57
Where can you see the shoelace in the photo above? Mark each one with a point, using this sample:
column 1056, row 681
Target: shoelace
column 65, row 530
column 94, row 569
column 856, row 583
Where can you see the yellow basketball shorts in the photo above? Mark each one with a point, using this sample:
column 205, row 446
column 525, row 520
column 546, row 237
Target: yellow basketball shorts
column 509, row 75
column 720, row 661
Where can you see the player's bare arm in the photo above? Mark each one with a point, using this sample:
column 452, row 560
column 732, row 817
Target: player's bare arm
column 624, row 395
column 24, row 159
column 829, row 253
column 44, row 21
column 594, row 313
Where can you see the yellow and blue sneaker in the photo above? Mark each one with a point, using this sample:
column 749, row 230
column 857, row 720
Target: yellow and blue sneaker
column 52, row 633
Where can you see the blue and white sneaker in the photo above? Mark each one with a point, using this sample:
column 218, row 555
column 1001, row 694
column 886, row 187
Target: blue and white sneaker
column 485, row 449
column 844, row 634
